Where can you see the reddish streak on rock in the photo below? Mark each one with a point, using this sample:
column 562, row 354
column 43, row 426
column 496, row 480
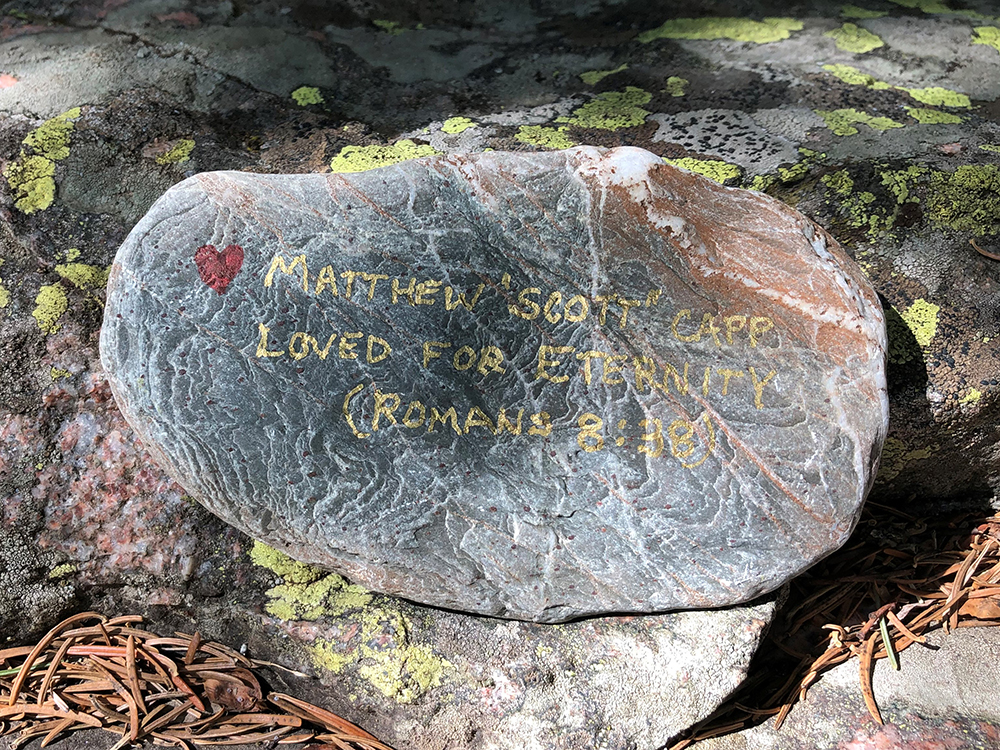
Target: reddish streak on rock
column 218, row 269
column 110, row 5
column 12, row 28
column 7, row 80
column 185, row 18
column 915, row 735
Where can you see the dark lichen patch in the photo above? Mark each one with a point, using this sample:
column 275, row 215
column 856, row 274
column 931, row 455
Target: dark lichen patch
column 741, row 90
column 21, row 346
column 725, row 134
column 826, row 92
column 872, row 200
column 30, row 600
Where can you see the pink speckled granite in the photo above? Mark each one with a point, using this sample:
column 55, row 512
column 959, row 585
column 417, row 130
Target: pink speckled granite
column 103, row 501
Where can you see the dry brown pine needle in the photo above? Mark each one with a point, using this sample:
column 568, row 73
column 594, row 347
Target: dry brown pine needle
column 898, row 576
column 94, row 672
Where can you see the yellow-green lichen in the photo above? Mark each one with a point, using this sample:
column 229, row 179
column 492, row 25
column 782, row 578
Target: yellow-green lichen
column 852, row 38
column 417, row 665
column 178, row 154
column 787, row 175
column 401, row 670
column 330, row 596
column 842, row 121
column 363, row 158
column 86, row 277
column 840, row 182
column 72, row 254
column 936, row 6
column 455, row 125
column 933, row 95
column 856, row 209
column 591, row 77
column 927, row 6
column 793, row 173
column 50, row 304
column 61, row 571
column 57, row 372
column 307, row 593
column 4, row 293
column 932, row 116
column 331, row 655
column 863, row 209
column 737, row 29
column 51, row 138
column 32, row 180
column 900, row 182
column 988, row 35
column 967, row 199
column 896, row 454
column 853, row 11
column 971, row 397
column 386, row 658
column 306, row 95
column 921, row 318
column 390, row 27
column 281, row 564
column 675, row 86
column 32, row 175
column 990, row 147
column 715, row 169
column 937, row 96
column 855, row 77
column 539, row 135
column 612, row 110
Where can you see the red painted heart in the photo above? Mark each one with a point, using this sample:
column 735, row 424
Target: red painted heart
column 218, row 269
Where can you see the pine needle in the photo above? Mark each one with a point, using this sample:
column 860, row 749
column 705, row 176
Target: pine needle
column 890, row 651
column 936, row 574
column 179, row 691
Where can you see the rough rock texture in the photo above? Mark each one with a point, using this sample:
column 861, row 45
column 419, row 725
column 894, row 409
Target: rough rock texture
column 533, row 386
column 941, row 698
column 439, row 680
column 31, row 597
column 167, row 89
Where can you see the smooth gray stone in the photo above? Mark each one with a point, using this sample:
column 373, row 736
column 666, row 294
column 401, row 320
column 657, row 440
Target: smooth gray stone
column 667, row 394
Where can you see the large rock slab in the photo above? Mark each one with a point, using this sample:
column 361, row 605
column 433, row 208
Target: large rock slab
column 528, row 385
column 427, row 679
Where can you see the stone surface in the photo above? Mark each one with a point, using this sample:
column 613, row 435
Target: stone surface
column 441, row 679
column 149, row 75
column 529, row 386
column 945, row 696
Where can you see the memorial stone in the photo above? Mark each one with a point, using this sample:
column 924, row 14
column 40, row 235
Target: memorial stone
column 529, row 385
